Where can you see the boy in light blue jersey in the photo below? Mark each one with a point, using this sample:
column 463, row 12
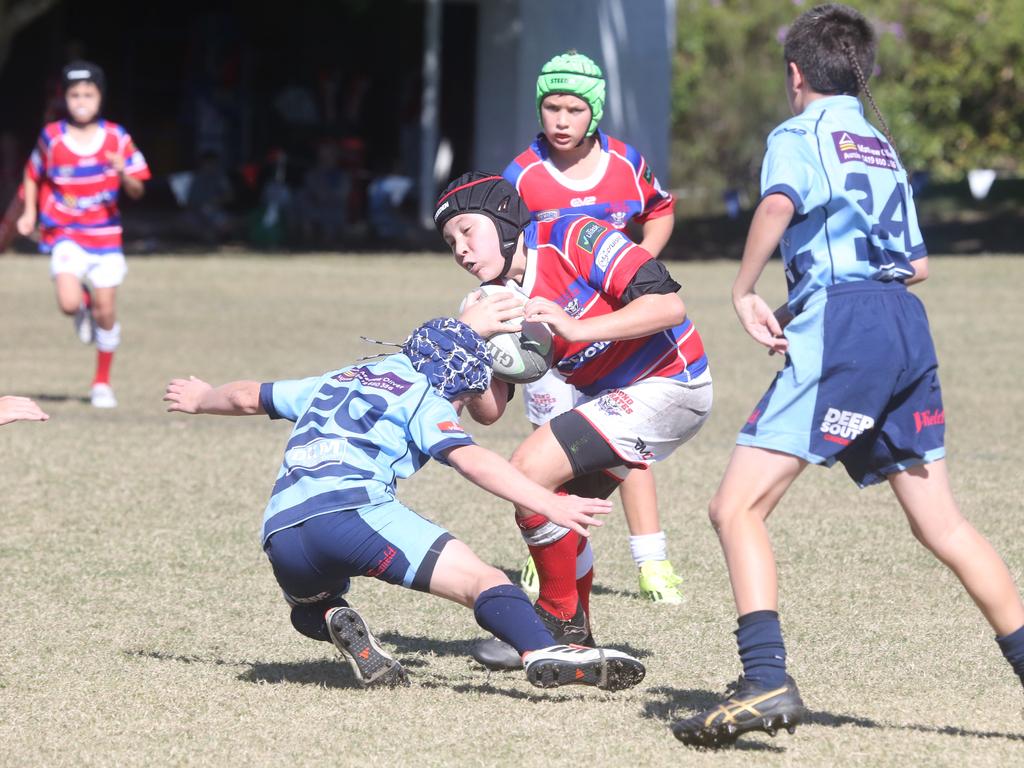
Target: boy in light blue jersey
column 333, row 513
column 860, row 383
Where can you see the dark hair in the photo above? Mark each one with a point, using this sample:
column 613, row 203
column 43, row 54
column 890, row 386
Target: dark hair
column 834, row 47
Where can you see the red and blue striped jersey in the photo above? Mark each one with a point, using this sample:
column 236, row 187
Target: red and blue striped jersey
column 622, row 188
column 78, row 186
column 584, row 265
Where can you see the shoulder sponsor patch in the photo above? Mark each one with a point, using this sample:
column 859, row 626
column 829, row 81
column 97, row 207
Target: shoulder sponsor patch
column 612, row 244
column 865, row 149
column 648, row 173
column 451, row 427
column 589, row 233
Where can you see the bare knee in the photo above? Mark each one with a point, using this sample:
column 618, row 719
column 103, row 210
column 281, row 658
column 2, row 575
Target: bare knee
column 104, row 316
column 717, row 512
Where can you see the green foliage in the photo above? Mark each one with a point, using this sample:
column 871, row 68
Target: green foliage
column 948, row 80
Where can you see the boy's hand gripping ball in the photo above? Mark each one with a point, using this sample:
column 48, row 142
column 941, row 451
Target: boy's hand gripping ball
column 520, row 356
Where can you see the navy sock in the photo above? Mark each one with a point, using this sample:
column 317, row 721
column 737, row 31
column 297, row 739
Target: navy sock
column 762, row 652
column 1012, row 647
column 506, row 612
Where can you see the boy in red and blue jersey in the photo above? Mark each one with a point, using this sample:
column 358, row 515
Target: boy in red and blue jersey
column 572, row 168
column 622, row 337
column 71, row 184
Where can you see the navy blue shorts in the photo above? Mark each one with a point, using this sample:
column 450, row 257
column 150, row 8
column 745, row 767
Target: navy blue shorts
column 860, row 385
column 315, row 560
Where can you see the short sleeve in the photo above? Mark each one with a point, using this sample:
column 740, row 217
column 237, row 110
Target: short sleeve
column 134, row 163
column 35, row 168
column 287, row 399
column 657, row 202
column 434, row 427
column 606, row 257
column 791, row 168
column 918, row 250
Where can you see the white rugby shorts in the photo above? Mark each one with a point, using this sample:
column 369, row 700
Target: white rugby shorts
column 645, row 422
column 549, row 396
column 103, row 270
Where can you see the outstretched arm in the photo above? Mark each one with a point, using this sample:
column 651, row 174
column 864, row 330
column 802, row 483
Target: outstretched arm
column 192, row 395
column 492, row 473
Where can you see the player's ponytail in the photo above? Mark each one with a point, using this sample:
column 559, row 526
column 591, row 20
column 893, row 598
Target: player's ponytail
column 862, row 81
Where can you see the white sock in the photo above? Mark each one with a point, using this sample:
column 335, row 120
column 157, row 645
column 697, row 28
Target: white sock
column 650, row 546
column 108, row 341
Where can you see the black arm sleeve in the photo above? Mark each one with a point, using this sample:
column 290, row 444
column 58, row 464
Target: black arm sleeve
column 652, row 277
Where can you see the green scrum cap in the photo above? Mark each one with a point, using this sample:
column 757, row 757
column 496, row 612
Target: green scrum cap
column 577, row 75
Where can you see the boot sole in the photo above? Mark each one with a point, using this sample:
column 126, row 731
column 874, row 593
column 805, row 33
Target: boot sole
column 726, row 734
column 372, row 666
column 613, row 674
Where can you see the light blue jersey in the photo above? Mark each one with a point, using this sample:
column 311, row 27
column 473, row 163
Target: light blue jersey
column 855, row 216
column 357, row 430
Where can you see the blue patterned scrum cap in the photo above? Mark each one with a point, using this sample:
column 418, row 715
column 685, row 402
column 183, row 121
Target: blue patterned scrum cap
column 452, row 356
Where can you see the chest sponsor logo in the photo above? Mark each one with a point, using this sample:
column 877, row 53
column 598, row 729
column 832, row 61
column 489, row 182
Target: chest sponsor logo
column 570, row 364
column 925, row 419
column 611, row 245
column 851, row 147
column 579, row 202
column 844, row 427
column 589, row 234
column 326, row 450
column 549, row 215
column 64, row 170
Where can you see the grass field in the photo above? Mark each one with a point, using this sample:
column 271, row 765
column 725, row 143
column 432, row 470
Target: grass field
column 142, row 625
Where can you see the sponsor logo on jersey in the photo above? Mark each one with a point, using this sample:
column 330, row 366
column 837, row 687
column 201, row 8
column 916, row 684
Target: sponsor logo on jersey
column 844, row 427
column 752, row 419
column 64, row 170
column 618, row 219
column 549, row 215
column 579, row 202
column 797, row 131
column 451, row 427
column 389, row 382
column 925, row 419
column 648, row 173
column 869, row 150
column 590, row 352
column 325, row 450
column 589, row 234
column 611, row 245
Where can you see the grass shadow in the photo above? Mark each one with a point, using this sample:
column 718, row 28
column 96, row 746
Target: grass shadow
column 425, row 645
column 668, row 704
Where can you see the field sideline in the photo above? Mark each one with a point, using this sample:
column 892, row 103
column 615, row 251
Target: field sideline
column 142, row 625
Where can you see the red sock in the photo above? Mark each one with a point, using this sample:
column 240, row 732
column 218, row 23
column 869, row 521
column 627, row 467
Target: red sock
column 556, row 569
column 584, row 582
column 103, row 362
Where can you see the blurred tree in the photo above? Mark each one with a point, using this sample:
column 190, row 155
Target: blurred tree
column 949, row 81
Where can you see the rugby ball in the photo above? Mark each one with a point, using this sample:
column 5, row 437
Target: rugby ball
column 519, row 356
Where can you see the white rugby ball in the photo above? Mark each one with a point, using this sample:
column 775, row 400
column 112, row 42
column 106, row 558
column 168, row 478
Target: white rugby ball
column 519, row 356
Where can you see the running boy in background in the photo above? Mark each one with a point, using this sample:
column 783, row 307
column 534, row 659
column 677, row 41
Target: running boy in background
column 860, row 383
column 573, row 168
column 71, row 187
column 333, row 513
column 621, row 336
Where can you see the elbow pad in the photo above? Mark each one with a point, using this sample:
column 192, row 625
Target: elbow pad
column 652, row 277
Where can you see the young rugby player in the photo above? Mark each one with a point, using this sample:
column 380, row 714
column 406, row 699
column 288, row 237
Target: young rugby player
column 573, row 168
column 71, row 186
column 333, row 513
column 860, row 383
column 622, row 337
